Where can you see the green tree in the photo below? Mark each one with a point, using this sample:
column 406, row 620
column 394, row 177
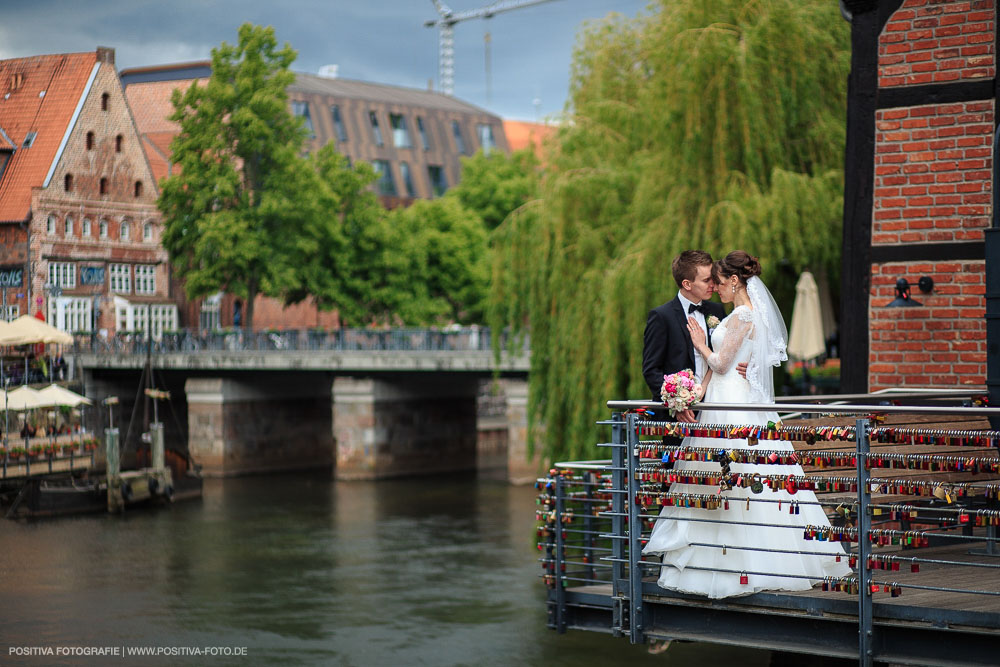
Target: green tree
column 233, row 212
column 496, row 184
column 715, row 125
column 347, row 255
column 446, row 250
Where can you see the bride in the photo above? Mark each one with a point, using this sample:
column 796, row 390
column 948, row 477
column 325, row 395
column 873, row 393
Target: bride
column 694, row 552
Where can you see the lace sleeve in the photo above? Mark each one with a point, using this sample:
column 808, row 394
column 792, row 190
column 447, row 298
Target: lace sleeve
column 738, row 327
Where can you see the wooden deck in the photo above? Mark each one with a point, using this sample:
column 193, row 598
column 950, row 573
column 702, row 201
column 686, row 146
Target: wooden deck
column 918, row 627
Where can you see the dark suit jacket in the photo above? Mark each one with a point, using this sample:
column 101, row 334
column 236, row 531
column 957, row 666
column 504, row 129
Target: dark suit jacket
column 667, row 346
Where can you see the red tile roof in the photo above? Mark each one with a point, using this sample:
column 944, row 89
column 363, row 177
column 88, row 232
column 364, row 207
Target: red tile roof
column 151, row 108
column 38, row 94
column 521, row 134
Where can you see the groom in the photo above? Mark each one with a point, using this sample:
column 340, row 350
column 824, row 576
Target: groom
column 667, row 346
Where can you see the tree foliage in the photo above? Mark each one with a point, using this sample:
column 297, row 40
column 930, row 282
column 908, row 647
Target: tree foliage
column 231, row 212
column 715, row 125
column 446, row 246
column 495, row 184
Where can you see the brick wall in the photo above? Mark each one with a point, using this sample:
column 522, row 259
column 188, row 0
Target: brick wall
column 122, row 163
column 941, row 343
column 936, row 41
column 932, row 186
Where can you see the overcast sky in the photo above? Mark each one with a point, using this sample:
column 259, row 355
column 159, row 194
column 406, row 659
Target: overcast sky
column 383, row 41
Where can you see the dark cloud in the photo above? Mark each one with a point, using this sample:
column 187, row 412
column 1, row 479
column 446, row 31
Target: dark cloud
column 372, row 40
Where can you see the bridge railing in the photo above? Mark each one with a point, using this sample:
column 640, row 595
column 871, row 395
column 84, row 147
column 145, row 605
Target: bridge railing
column 466, row 339
column 887, row 494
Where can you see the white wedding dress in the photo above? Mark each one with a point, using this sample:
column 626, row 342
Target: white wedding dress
column 674, row 538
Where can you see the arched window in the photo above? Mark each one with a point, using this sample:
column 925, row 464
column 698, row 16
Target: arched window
column 90, row 141
column 104, row 186
column 68, row 226
column 86, row 228
column 68, row 182
column 147, row 232
column 102, row 227
column 124, row 235
column 104, row 101
column 118, row 144
column 50, row 224
column 138, row 188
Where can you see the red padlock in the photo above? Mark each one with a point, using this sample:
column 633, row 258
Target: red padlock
column 744, row 579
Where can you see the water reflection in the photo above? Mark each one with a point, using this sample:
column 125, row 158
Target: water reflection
column 305, row 571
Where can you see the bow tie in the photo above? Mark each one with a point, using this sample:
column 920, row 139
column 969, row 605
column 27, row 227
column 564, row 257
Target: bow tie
column 700, row 307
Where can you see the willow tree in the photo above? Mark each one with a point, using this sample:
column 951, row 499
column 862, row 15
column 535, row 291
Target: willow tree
column 715, row 125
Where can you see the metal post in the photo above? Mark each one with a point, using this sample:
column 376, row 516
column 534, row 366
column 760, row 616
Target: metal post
column 116, row 502
column 618, row 499
column 992, row 277
column 588, row 524
column 864, row 549
column 156, row 435
column 557, row 571
column 634, row 538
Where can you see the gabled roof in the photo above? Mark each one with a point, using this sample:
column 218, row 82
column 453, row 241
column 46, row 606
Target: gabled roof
column 39, row 95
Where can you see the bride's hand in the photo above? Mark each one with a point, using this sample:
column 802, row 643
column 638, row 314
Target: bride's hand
column 697, row 333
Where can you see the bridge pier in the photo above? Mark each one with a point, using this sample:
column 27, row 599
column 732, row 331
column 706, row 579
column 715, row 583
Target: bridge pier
column 521, row 469
column 239, row 427
column 404, row 425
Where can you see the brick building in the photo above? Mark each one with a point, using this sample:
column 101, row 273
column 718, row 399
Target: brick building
column 413, row 138
column 79, row 227
column 918, row 196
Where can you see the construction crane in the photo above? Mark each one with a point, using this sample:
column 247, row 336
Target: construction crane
column 446, row 40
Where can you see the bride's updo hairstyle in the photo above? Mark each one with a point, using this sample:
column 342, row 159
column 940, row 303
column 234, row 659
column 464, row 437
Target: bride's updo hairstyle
column 737, row 263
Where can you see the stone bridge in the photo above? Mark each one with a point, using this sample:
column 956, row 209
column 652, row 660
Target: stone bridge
column 371, row 404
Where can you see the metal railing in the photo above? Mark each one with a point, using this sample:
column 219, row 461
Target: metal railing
column 875, row 533
column 191, row 341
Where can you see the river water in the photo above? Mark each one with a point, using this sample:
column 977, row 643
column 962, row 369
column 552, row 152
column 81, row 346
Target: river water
column 302, row 570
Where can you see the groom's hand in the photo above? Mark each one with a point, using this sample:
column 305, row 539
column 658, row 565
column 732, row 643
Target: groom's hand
column 686, row 416
column 742, row 370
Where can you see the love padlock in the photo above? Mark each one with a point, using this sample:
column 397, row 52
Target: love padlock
column 744, row 579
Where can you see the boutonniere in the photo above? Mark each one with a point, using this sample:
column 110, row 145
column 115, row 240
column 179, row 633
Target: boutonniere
column 712, row 321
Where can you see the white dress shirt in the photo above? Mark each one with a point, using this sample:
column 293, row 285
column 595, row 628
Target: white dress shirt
column 699, row 362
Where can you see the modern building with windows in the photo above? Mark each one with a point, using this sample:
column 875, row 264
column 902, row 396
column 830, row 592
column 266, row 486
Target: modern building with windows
column 79, row 227
column 413, row 138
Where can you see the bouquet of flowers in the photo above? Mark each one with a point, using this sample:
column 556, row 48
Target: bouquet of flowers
column 680, row 391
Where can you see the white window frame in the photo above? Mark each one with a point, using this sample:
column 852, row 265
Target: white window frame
column 87, row 229
column 68, row 226
column 72, row 313
column 120, row 278
column 102, row 227
column 62, row 274
column 147, row 232
column 12, row 313
column 124, row 231
column 50, row 225
column 145, row 278
column 209, row 317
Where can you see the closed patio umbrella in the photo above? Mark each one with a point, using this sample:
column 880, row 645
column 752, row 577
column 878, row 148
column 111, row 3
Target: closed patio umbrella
column 806, row 340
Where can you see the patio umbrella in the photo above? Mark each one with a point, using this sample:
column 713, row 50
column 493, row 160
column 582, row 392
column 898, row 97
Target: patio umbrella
column 27, row 329
column 62, row 396
column 24, row 398
column 806, row 340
